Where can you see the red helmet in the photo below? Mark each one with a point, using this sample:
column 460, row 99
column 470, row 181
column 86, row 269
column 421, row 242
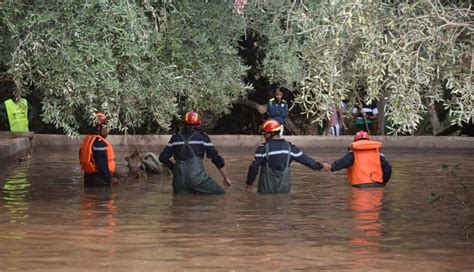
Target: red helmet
column 191, row 118
column 361, row 135
column 101, row 118
column 271, row 125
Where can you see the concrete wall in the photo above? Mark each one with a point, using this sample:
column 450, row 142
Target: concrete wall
column 253, row 140
column 14, row 147
column 17, row 144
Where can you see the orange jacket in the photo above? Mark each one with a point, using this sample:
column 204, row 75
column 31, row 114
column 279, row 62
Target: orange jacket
column 87, row 160
column 367, row 167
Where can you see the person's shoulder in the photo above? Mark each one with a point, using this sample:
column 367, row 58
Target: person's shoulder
column 292, row 145
column 284, row 101
column 261, row 147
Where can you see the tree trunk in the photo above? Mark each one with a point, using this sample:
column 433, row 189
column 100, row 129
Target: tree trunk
column 434, row 119
column 381, row 117
column 262, row 109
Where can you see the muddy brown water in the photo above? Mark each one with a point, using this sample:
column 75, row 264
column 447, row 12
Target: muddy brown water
column 49, row 222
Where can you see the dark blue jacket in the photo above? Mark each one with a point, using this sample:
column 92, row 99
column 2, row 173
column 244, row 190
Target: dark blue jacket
column 278, row 155
column 278, row 110
column 200, row 143
column 348, row 160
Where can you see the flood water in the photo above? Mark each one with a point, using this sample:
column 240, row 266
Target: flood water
column 49, row 222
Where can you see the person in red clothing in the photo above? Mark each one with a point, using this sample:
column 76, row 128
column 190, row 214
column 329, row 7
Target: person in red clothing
column 366, row 165
column 96, row 155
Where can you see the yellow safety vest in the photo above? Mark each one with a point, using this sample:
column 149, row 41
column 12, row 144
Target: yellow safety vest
column 17, row 115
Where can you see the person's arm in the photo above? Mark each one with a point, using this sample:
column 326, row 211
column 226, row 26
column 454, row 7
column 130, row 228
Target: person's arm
column 166, row 154
column 375, row 113
column 271, row 110
column 344, row 162
column 212, row 154
column 299, row 156
column 255, row 166
column 216, row 159
column 227, row 181
column 99, row 152
column 355, row 111
column 386, row 168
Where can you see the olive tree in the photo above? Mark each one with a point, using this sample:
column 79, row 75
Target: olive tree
column 403, row 53
column 134, row 60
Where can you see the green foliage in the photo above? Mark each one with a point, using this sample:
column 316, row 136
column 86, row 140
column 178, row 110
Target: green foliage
column 142, row 61
column 136, row 61
column 404, row 52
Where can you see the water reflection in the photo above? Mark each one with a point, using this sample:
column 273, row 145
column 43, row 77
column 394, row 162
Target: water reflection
column 15, row 190
column 366, row 203
column 98, row 220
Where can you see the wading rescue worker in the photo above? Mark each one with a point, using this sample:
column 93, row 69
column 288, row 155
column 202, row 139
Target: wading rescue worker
column 97, row 155
column 273, row 158
column 17, row 113
column 188, row 148
column 278, row 109
column 366, row 165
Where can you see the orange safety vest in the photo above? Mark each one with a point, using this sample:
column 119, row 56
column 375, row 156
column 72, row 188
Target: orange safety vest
column 87, row 160
column 367, row 167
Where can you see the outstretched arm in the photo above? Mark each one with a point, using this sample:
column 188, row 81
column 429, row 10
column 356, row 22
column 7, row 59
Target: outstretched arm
column 302, row 158
column 344, row 162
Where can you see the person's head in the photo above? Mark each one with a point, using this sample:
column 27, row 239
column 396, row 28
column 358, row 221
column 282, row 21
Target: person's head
column 271, row 128
column 361, row 135
column 278, row 94
column 191, row 119
column 101, row 121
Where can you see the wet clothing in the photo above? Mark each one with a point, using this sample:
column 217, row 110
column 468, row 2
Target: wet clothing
column 100, row 153
column 273, row 158
column 17, row 115
column 362, row 173
column 189, row 176
column 278, row 110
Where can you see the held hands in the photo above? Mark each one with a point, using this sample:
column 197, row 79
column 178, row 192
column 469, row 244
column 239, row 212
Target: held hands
column 326, row 167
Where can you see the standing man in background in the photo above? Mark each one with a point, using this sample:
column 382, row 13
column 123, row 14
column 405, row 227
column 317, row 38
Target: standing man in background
column 16, row 112
column 278, row 109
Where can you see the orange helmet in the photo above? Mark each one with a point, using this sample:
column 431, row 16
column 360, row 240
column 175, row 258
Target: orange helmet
column 271, row 125
column 101, row 118
column 191, row 118
column 361, row 135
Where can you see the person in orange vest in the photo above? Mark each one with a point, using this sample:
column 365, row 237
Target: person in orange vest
column 97, row 156
column 366, row 165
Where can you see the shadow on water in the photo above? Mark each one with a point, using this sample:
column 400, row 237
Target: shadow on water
column 49, row 221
